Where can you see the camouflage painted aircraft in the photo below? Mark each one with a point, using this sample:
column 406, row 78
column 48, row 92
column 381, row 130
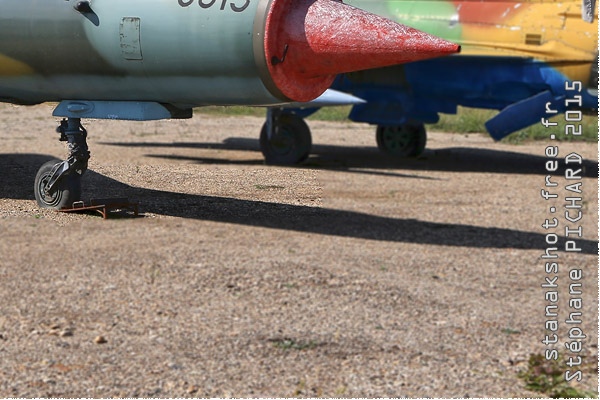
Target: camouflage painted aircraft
column 517, row 55
column 154, row 59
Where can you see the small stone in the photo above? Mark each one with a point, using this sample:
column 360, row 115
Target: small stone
column 66, row 332
column 100, row 340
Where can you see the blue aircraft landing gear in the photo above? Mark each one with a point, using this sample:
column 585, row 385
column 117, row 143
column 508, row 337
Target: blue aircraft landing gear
column 58, row 184
column 285, row 138
column 401, row 141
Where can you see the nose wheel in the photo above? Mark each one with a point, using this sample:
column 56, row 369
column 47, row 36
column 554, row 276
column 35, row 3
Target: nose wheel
column 285, row 139
column 66, row 192
column 401, row 141
column 58, row 184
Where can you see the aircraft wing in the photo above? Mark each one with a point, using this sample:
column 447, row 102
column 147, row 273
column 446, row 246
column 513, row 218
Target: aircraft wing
column 331, row 97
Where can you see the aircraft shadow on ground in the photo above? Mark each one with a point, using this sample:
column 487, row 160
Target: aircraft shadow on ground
column 352, row 159
column 281, row 216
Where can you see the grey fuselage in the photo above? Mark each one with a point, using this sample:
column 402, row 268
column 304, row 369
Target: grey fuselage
column 181, row 52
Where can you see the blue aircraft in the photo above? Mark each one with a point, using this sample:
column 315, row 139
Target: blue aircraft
column 528, row 59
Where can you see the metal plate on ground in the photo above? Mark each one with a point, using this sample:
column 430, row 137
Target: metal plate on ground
column 106, row 207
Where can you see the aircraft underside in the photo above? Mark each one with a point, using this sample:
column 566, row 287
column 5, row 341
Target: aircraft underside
column 399, row 100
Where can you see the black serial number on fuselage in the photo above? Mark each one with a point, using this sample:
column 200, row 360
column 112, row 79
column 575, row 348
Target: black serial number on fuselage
column 223, row 3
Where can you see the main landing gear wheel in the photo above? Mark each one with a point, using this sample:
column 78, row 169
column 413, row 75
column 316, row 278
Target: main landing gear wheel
column 66, row 192
column 289, row 141
column 401, row 141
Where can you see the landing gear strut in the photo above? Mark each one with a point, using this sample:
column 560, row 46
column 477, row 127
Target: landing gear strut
column 285, row 138
column 58, row 185
column 401, row 141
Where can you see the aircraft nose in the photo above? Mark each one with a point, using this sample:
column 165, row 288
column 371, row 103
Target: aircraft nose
column 308, row 42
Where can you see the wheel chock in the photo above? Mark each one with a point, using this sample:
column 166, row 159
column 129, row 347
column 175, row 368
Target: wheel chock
column 105, row 207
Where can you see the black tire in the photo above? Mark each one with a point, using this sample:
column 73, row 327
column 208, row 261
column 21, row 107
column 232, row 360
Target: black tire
column 290, row 145
column 67, row 191
column 401, row 141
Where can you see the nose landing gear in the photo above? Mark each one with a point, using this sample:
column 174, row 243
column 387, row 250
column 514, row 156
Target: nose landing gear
column 285, row 138
column 58, row 184
column 401, row 141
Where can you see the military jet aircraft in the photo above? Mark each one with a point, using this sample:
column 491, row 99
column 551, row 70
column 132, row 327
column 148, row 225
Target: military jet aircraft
column 517, row 55
column 154, row 59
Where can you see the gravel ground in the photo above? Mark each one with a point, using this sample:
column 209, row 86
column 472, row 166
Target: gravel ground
column 353, row 275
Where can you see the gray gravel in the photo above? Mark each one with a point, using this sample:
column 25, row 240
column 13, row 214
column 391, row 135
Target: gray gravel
column 352, row 276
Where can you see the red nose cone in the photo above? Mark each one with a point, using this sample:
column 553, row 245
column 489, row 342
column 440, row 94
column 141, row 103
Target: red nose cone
column 308, row 42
